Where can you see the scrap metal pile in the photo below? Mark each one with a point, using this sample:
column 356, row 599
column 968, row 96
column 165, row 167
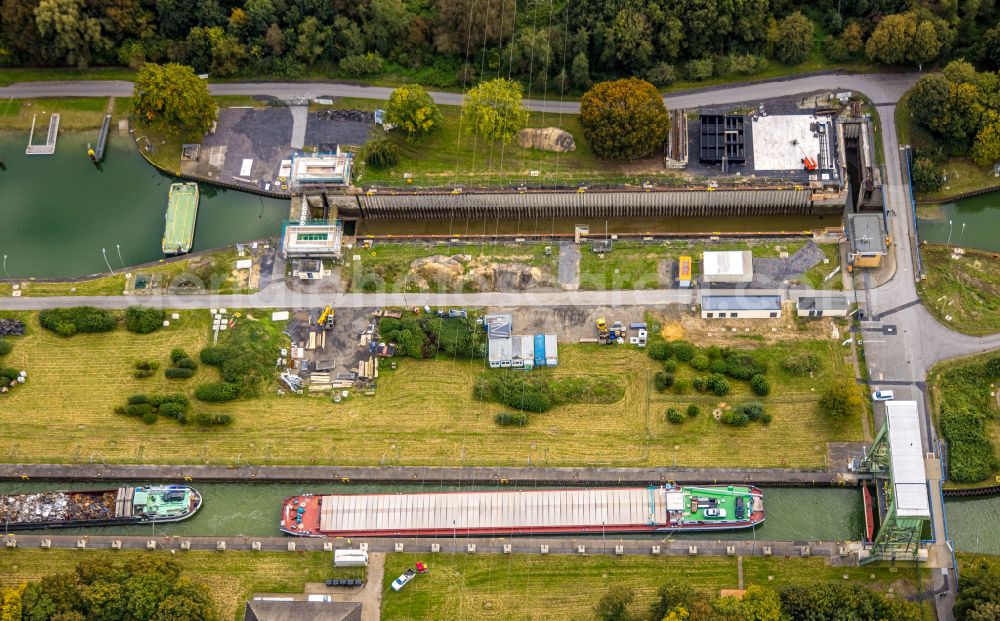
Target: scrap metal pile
column 57, row 507
column 11, row 327
column 359, row 116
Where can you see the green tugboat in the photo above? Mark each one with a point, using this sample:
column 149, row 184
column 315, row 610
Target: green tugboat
column 182, row 213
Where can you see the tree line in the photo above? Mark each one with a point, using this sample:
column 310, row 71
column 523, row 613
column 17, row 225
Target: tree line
column 545, row 44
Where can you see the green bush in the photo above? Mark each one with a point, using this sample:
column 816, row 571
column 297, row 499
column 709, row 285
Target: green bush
column 717, row 365
column 754, row 411
column 718, row 384
column 137, row 399
column 8, row 375
column 178, row 372
column 69, row 321
column 215, row 356
column 683, row 350
column 380, row 152
column 186, row 363
column 663, row 380
column 5, row 347
column 693, row 410
column 760, row 385
column 735, row 418
column 146, row 365
column 142, row 320
column 149, row 417
column 139, row 409
column 699, row 384
column 660, row 350
column 802, row 364
column 766, row 418
column 511, row 419
column 992, row 366
column 681, row 387
column 216, row 391
column 204, row 419
column 177, row 354
column 515, row 390
column 173, row 410
column 675, row 416
column 744, row 366
column 669, row 365
column 699, row 362
column 362, row 65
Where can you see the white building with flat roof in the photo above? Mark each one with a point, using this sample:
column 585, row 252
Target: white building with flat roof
column 312, row 240
column 732, row 266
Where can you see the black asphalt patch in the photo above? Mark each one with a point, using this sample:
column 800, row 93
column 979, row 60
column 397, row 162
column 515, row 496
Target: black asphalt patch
column 896, row 309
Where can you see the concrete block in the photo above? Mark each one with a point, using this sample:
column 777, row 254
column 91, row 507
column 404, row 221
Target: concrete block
column 581, row 549
column 81, row 543
column 11, row 543
column 506, row 548
column 693, row 550
column 619, row 550
column 545, row 549
column 767, row 550
column 186, row 545
column 255, row 546
column 470, row 548
column 398, row 547
column 363, row 547
column 291, row 546
column 656, row 550
column 46, row 543
column 116, row 544
column 150, row 544
column 842, row 551
column 328, row 546
column 220, row 546
column 805, row 550
column 435, row 547
column 730, row 550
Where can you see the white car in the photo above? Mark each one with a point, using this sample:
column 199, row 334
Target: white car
column 715, row 513
column 402, row 581
column 883, row 395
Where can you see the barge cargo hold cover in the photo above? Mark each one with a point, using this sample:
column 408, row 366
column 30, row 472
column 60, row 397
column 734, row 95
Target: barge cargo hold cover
column 524, row 512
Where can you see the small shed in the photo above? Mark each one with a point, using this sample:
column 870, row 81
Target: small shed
column 867, row 234
column 732, row 266
column 836, row 306
column 684, row 272
column 740, row 306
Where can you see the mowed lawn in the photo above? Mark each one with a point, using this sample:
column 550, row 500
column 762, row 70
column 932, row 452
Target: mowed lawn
column 232, row 577
column 423, row 413
column 553, row 588
column 967, row 290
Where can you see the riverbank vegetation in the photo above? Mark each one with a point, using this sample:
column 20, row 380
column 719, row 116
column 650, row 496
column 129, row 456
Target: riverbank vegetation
column 423, row 412
column 473, row 587
column 952, row 121
column 962, row 290
column 962, row 392
column 978, row 588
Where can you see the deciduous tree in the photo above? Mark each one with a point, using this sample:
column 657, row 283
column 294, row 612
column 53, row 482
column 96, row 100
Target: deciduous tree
column 494, row 109
column 412, row 110
column 172, row 99
column 614, row 605
column 791, row 38
column 986, row 148
column 624, row 119
column 840, row 402
column 75, row 36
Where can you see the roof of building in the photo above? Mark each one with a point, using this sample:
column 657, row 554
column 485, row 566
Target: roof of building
column 824, row 303
column 259, row 610
column 741, row 302
column 728, row 263
column 906, row 450
column 500, row 348
column 498, row 326
column 867, row 233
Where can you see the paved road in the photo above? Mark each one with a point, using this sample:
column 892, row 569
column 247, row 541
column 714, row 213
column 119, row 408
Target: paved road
column 879, row 87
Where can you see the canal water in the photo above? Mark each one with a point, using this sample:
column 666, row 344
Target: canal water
column 980, row 217
column 254, row 509
column 58, row 211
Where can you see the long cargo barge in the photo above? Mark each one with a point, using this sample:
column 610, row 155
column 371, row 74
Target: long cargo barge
column 180, row 218
column 125, row 505
column 525, row 512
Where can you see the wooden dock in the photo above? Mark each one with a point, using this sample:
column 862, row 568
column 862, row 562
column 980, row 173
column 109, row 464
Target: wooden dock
column 102, row 140
column 50, row 143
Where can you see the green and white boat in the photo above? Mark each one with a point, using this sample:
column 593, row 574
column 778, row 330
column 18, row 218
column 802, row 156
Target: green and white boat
column 103, row 507
column 182, row 214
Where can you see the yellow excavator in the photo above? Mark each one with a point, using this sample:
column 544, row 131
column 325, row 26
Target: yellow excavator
column 326, row 317
column 602, row 328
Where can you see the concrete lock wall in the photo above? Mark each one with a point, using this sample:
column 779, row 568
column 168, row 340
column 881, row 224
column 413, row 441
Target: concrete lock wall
column 588, row 204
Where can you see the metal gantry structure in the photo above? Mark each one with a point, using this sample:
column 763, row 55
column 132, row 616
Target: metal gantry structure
column 895, row 460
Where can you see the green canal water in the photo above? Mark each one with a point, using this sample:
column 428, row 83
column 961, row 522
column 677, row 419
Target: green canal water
column 254, row 509
column 980, row 215
column 58, row 211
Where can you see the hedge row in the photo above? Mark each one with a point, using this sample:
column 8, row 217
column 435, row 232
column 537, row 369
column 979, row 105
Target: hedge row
column 69, row 321
column 150, row 407
column 142, row 320
column 511, row 419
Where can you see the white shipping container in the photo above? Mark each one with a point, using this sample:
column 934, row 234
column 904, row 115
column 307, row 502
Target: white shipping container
column 350, row 558
column 551, row 350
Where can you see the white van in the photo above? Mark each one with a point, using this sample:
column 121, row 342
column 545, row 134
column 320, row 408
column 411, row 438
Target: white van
column 883, row 395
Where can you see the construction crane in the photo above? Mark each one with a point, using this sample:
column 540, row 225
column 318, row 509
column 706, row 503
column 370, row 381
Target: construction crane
column 326, row 317
column 807, row 161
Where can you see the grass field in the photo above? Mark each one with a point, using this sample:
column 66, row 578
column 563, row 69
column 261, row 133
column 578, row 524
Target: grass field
column 967, row 290
column 423, row 413
column 212, row 268
column 232, row 577
column 389, row 267
column 74, row 113
column 637, row 265
column 556, row 588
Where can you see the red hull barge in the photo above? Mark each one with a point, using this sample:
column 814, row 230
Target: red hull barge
column 524, row 512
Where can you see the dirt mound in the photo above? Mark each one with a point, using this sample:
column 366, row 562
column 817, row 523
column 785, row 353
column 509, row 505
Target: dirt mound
column 461, row 272
column 546, row 139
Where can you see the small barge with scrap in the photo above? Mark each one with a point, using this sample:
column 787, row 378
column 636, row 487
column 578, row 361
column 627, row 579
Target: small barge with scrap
column 525, row 512
column 180, row 219
column 74, row 508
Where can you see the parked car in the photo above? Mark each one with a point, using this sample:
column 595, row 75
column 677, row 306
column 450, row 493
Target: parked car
column 883, row 395
column 715, row 513
column 401, row 581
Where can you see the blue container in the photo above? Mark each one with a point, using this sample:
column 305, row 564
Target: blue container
column 539, row 350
